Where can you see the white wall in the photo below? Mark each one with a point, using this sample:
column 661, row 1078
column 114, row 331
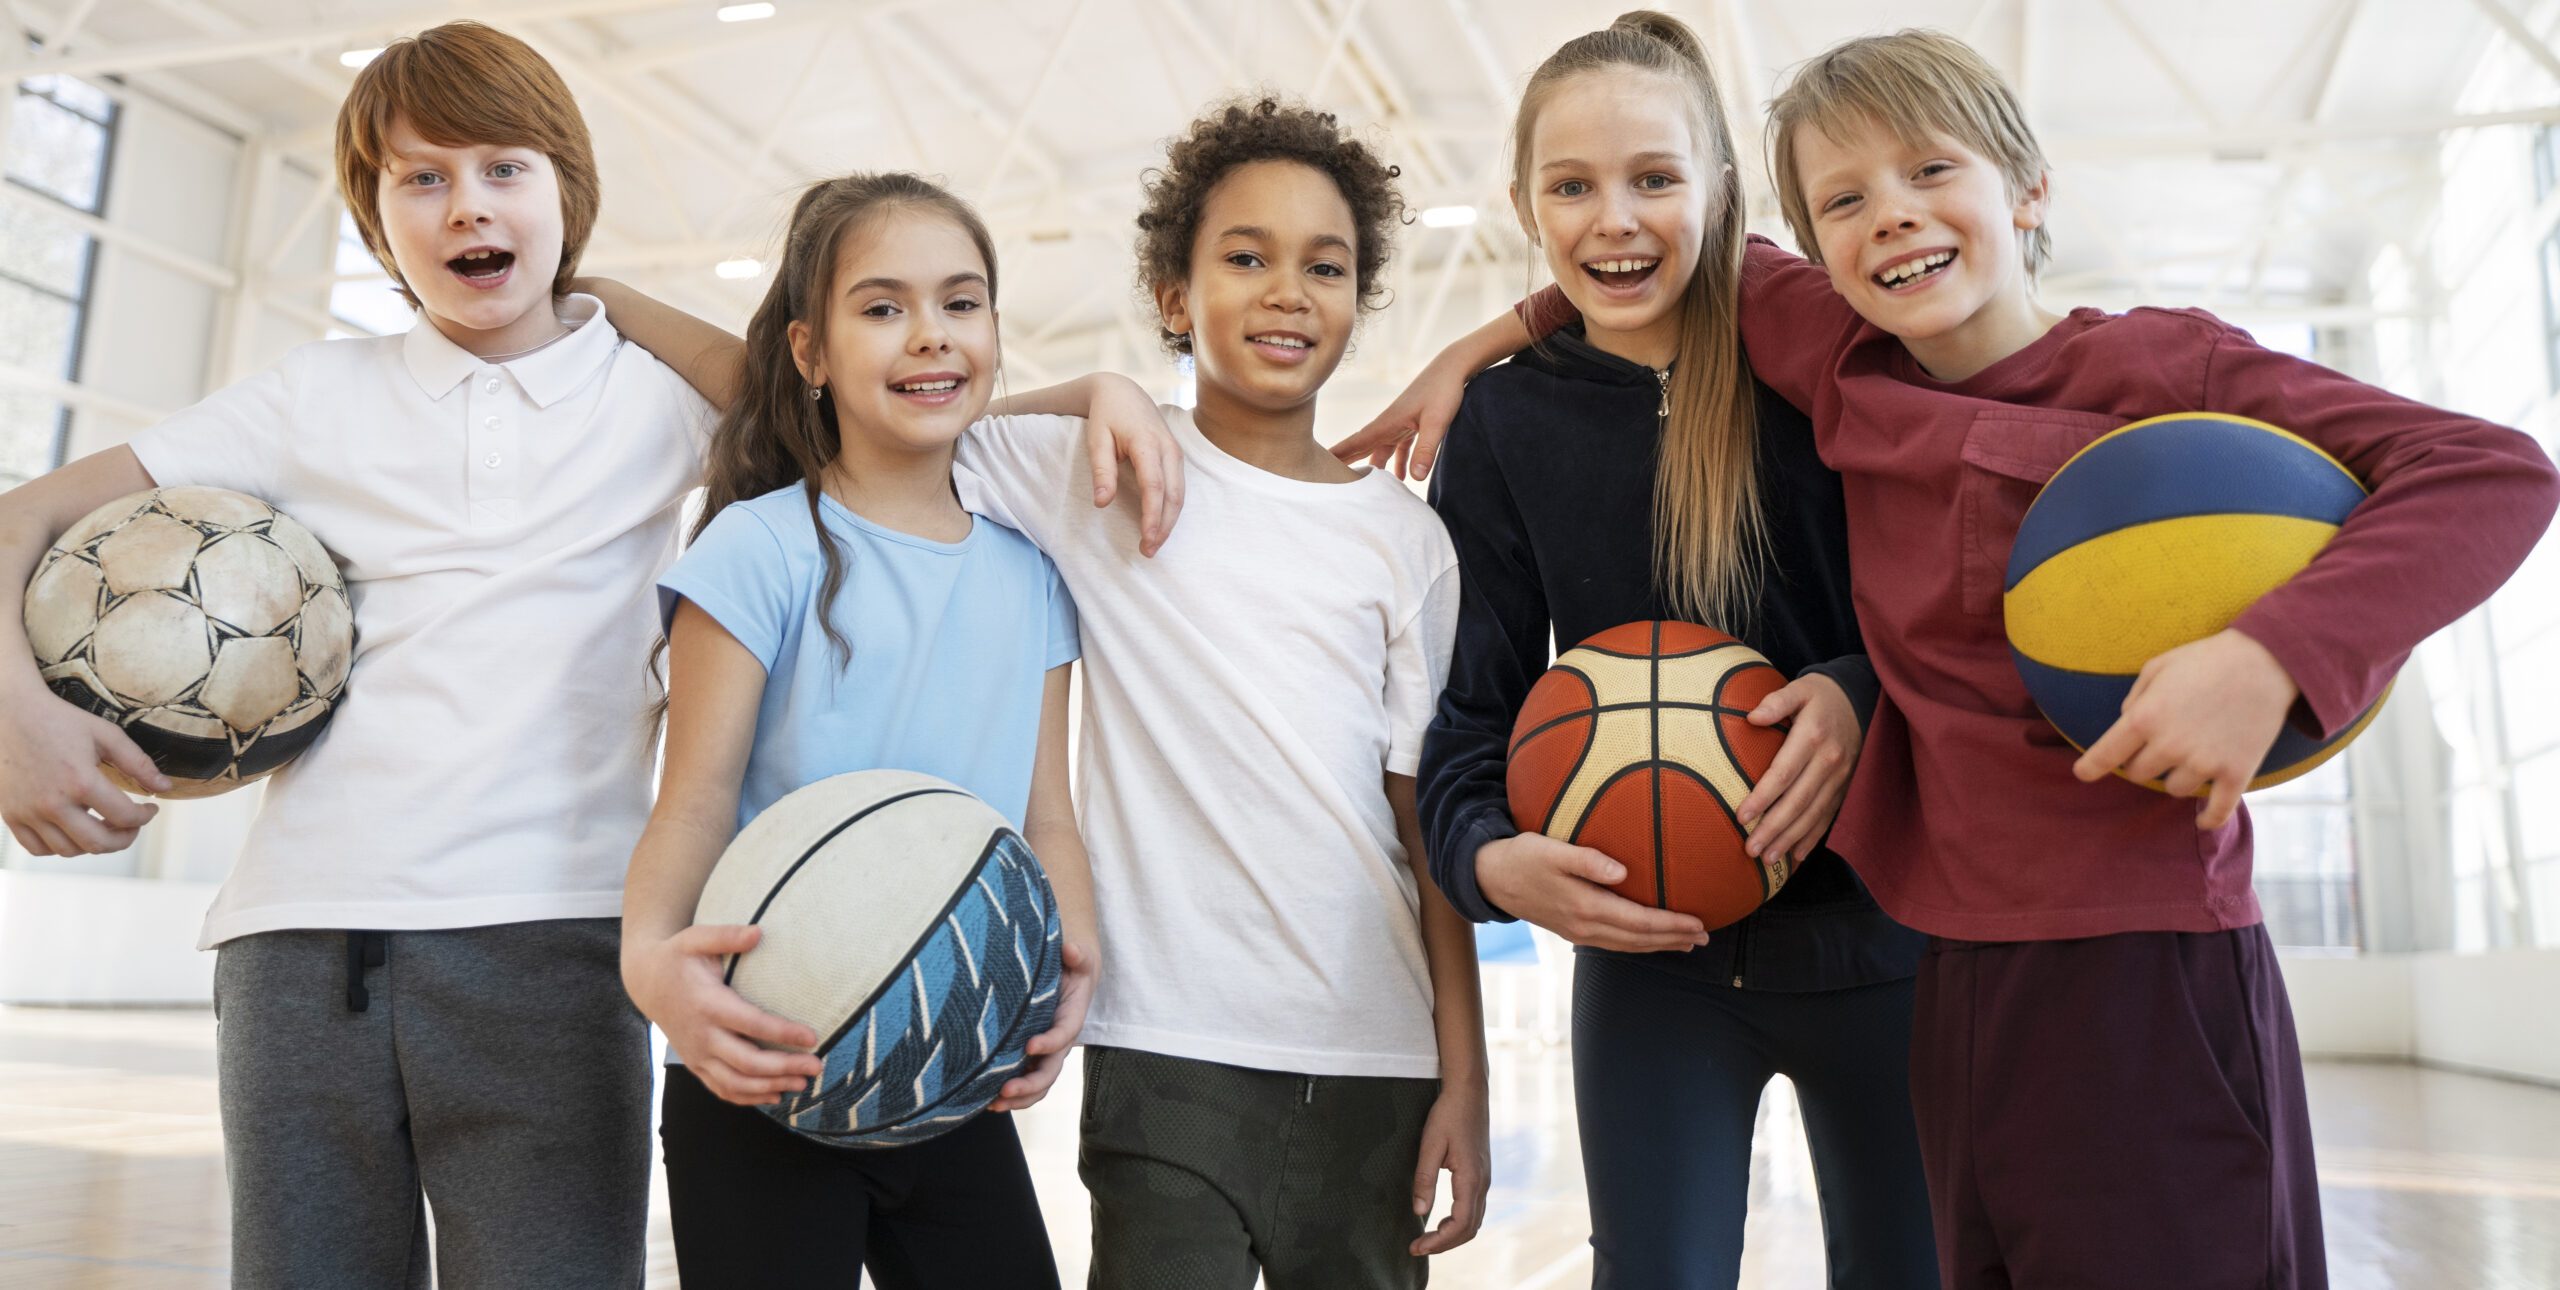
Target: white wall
column 68, row 938
column 2487, row 1013
column 151, row 326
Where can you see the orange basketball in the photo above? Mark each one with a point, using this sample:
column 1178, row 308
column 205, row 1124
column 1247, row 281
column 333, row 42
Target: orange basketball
column 1637, row 743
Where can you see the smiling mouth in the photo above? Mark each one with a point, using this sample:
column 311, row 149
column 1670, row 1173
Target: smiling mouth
column 1911, row 271
column 943, row 385
column 1282, row 342
column 1626, row 271
column 481, row 266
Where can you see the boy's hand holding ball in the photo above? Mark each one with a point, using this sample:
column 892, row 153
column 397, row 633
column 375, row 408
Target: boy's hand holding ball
column 2200, row 718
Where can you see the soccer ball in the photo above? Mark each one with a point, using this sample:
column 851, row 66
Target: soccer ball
column 208, row 624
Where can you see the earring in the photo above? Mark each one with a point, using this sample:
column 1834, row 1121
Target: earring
column 817, row 392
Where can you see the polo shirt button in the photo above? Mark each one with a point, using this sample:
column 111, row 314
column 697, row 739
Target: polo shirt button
column 490, row 461
column 492, row 423
column 492, row 386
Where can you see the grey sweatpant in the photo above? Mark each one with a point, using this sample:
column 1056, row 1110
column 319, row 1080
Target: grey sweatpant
column 497, row 1073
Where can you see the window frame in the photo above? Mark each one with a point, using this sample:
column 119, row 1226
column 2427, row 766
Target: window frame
column 75, row 355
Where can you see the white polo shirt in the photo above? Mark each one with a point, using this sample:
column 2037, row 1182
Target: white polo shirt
column 501, row 527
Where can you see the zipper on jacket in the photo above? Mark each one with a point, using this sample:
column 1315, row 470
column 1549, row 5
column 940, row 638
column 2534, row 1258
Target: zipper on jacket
column 1741, row 942
column 1663, row 413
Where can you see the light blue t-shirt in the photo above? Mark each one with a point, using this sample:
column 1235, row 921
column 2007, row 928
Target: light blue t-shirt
column 951, row 643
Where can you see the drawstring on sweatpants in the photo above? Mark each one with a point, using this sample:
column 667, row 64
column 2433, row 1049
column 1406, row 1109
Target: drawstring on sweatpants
column 364, row 950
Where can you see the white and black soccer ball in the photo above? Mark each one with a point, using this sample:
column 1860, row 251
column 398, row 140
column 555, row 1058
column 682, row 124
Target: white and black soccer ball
column 208, row 624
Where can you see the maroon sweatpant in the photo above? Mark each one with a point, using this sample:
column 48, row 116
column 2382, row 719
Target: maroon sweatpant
column 2121, row 1111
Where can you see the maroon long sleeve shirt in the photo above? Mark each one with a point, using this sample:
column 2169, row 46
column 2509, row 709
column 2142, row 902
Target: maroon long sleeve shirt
column 1964, row 817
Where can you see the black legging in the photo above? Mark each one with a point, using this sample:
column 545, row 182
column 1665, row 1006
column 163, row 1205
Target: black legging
column 1667, row 1075
column 756, row 1205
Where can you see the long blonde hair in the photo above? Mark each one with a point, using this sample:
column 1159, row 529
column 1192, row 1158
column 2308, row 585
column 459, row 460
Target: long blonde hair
column 1710, row 535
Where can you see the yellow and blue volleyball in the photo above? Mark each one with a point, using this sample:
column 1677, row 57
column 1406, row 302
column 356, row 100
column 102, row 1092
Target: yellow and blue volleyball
column 2158, row 534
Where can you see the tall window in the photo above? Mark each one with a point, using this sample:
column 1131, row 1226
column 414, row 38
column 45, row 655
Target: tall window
column 363, row 302
column 2546, row 176
column 61, row 134
column 2306, row 860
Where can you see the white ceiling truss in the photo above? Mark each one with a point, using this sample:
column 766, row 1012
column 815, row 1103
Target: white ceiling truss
column 2249, row 155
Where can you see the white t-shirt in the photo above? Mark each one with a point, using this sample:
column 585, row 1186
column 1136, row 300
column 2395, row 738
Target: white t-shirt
column 1246, row 692
column 501, row 528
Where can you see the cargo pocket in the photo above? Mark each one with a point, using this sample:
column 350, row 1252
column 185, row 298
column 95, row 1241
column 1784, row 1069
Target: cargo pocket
column 2008, row 455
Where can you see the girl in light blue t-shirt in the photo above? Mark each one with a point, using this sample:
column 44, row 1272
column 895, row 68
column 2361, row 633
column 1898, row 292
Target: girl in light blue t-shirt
column 839, row 611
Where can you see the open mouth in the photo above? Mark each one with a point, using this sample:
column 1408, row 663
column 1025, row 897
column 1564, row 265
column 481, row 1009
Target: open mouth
column 482, row 267
column 1919, row 268
column 1624, row 272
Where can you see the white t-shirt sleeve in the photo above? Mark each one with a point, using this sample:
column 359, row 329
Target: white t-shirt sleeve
column 1417, row 666
column 739, row 573
column 698, row 418
column 1066, row 637
column 234, row 438
column 1016, row 471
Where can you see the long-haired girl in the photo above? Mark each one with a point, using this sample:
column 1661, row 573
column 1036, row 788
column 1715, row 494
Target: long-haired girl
column 1631, row 469
column 839, row 610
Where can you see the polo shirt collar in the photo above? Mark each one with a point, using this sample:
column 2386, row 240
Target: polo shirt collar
column 547, row 375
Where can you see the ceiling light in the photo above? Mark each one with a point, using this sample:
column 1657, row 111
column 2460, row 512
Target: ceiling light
column 1449, row 217
column 744, row 12
column 741, row 267
column 358, row 57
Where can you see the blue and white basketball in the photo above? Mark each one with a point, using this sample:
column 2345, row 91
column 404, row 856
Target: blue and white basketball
column 910, row 926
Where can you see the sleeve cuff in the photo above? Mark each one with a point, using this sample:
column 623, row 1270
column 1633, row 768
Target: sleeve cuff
column 1457, row 872
column 731, row 617
column 2325, row 702
column 1856, row 677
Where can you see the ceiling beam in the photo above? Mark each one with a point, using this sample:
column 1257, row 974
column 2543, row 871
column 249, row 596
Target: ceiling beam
column 329, row 85
column 1500, row 88
column 1343, row 23
column 2534, row 46
column 2167, row 66
column 1013, row 135
column 783, row 118
column 947, row 80
column 294, row 37
column 2273, row 139
column 178, row 93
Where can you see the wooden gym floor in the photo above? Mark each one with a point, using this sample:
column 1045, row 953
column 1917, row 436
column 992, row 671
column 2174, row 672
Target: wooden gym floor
column 111, row 1170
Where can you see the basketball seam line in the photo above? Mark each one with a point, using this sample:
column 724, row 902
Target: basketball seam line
column 1682, row 705
column 1653, row 673
column 1606, row 652
column 1734, row 760
column 774, row 892
column 932, row 928
column 1048, row 907
column 1547, row 817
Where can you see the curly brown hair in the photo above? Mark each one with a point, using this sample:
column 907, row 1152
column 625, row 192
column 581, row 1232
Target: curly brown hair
column 1241, row 132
